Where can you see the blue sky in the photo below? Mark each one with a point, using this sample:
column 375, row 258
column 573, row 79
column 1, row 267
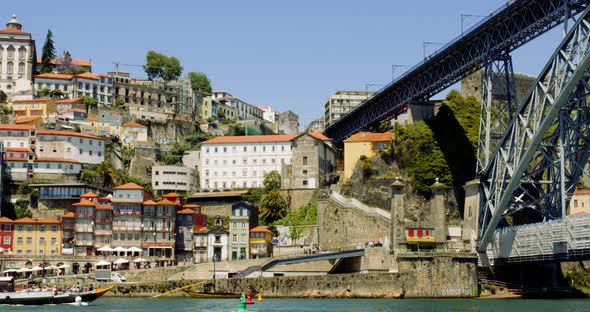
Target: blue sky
column 286, row 54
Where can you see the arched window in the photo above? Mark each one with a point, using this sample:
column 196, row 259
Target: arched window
column 9, row 68
column 10, row 55
column 21, row 69
column 22, row 53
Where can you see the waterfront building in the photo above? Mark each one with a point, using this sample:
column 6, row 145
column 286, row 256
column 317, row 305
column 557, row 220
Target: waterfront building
column 260, row 242
column 342, row 102
column 363, row 144
column 37, row 237
column 84, row 224
column 69, row 145
column 244, row 216
column 313, row 162
column 200, row 238
column 172, row 179
column 127, row 210
column 217, row 240
column 187, row 219
column 68, row 227
column 158, row 228
column 103, row 223
column 6, row 235
column 230, row 162
column 17, row 57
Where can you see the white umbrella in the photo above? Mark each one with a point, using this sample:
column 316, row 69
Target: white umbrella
column 37, row 268
column 134, row 249
column 21, row 270
column 63, row 266
column 139, row 260
column 103, row 263
column 120, row 249
column 10, row 271
column 105, row 249
column 121, row 261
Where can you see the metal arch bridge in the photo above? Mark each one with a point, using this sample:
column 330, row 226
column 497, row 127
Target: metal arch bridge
column 506, row 29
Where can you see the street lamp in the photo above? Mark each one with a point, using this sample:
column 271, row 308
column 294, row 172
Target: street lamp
column 466, row 16
column 393, row 67
column 426, row 44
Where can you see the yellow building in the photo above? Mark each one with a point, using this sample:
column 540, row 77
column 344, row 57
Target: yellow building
column 33, row 107
column 260, row 242
column 37, row 237
column 363, row 143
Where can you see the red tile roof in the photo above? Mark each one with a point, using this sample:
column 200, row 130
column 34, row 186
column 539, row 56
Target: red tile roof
column 133, row 124
column 191, row 206
column 69, row 215
column 582, row 192
column 107, row 206
column 29, row 220
column 68, row 133
column 92, row 118
column 260, row 229
column 74, row 100
column 14, row 31
column 64, row 160
column 149, row 203
column 320, row 136
column 84, row 203
column 129, row 186
column 370, row 137
column 40, row 100
column 15, row 158
column 17, row 149
column 75, row 62
column 88, row 195
column 251, row 139
column 171, row 195
column 16, row 127
column 53, row 76
column 200, row 228
column 5, row 220
column 185, row 212
column 87, row 76
column 166, row 202
column 21, row 119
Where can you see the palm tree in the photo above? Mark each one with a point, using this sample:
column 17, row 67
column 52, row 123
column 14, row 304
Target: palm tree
column 105, row 172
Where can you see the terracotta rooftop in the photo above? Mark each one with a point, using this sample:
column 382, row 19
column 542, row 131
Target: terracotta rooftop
column 29, row 220
column 133, row 124
column 17, row 149
column 200, row 228
column 87, row 76
column 260, row 229
column 14, row 31
column 88, row 195
column 64, row 160
column 54, row 76
column 184, row 211
column 5, row 220
column 129, row 186
column 251, row 139
column 370, row 137
column 68, row 133
column 166, row 202
column 320, row 136
column 15, row 158
column 171, row 195
column 191, row 206
column 16, row 127
column 83, row 203
column 74, row 100
column 149, row 203
column 107, row 206
column 75, row 62
column 25, row 119
column 582, row 192
column 69, row 215
column 92, row 118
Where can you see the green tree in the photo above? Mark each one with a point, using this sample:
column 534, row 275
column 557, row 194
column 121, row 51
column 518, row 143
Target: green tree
column 273, row 207
column 295, row 232
column 43, row 92
column 200, row 82
column 159, row 65
column 48, row 53
column 23, row 212
column 89, row 102
column 120, row 102
column 56, row 94
column 253, row 195
column 220, row 114
column 5, row 114
column 272, row 181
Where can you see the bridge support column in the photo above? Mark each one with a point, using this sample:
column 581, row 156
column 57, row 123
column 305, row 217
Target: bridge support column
column 471, row 215
column 397, row 215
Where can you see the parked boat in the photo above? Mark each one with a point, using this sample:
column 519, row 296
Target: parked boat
column 217, row 295
column 9, row 295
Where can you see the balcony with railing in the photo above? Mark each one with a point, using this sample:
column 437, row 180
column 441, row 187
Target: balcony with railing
column 103, row 232
column 84, row 216
column 103, row 220
column 84, row 243
column 83, row 228
column 126, row 213
column 126, row 228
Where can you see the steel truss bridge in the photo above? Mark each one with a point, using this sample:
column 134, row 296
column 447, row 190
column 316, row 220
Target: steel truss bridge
column 532, row 151
column 506, row 29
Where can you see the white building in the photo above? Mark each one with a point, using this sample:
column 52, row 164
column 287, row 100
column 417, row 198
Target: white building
column 133, row 132
column 69, row 145
column 177, row 179
column 268, row 114
column 230, row 162
column 17, row 56
column 217, row 242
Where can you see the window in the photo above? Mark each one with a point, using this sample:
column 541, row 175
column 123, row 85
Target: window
column 7, row 227
column 234, row 238
column 305, row 160
column 245, row 149
column 29, row 228
column 81, row 151
column 304, row 172
column 6, row 240
column 42, row 228
column 81, row 141
column 304, row 182
column 244, row 172
column 264, row 161
column 19, row 240
column 69, row 149
column 19, row 228
column 29, row 240
column 90, row 153
column 41, row 240
column 54, row 228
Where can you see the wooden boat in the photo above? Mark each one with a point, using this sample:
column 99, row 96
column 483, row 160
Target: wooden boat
column 9, row 295
column 217, row 295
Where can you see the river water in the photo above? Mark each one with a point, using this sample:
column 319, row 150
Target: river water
column 295, row 305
